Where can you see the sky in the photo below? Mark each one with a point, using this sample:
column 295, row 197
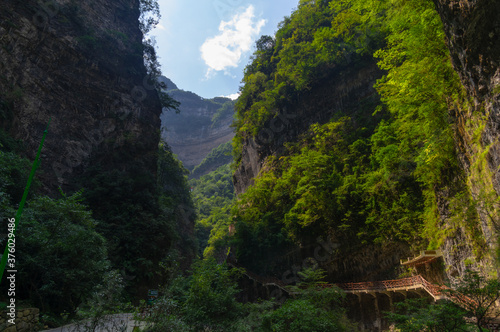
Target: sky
column 204, row 45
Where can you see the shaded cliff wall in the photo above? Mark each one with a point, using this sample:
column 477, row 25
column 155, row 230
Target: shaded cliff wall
column 191, row 133
column 472, row 31
column 81, row 65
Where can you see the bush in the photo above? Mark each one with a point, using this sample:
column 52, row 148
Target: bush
column 314, row 308
column 204, row 301
column 474, row 297
column 301, row 316
column 14, row 172
column 415, row 315
column 211, row 299
column 62, row 257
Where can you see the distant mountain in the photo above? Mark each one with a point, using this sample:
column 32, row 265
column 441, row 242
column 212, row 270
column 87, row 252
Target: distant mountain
column 201, row 126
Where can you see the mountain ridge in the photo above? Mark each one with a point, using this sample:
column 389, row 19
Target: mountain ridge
column 201, row 125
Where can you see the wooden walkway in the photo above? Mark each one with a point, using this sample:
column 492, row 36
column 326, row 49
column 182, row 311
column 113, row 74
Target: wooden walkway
column 417, row 284
column 396, row 285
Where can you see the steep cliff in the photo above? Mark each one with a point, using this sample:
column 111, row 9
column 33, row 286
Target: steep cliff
column 84, row 66
column 200, row 126
column 348, row 91
column 472, row 30
column 79, row 64
column 310, row 193
column 389, row 174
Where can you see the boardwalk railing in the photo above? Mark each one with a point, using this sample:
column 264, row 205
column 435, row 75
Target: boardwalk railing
column 415, row 282
column 403, row 284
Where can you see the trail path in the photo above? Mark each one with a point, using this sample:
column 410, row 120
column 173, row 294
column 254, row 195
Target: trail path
column 111, row 323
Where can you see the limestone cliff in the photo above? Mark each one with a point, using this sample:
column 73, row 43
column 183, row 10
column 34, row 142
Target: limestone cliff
column 472, row 29
column 200, row 126
column 79, row 64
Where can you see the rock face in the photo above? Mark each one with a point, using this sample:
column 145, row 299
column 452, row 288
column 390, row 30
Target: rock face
column 194, row 132
column 472, row 31
column 79, row 64
column 343, row 93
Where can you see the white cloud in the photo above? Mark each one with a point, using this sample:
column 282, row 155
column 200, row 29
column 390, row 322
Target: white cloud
column 232, row 96
column 235, row 38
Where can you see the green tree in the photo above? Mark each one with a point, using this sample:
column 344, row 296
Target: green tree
column 142, row 217
column 149, row 18
column 218, row 157
column 61, row 256
column 418, row 138
column 203, row 301
column 470, row 306
column 107, row 298
column 314, row 308
column 477, row 295
column 211, row 302
column 150, row 15
column 122, row 201
column 226, row 110
column 414, row 315
column 213, row 195
column 176, row 206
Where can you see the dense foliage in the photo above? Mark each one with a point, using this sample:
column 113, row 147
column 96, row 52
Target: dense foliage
column 177, row 206
column 359, row 180
column 469, row 307
column 225, row 111
column 306, row 49
column 213, row 195
column 62, row 257
column 63, row 248
column 141, row 216
column 219, row 156
column 419, row 315
column 206, row 301
column 212, row 191
column 123, row 201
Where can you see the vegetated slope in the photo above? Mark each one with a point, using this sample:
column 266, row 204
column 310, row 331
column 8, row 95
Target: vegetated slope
column 219, row 156
column 82, row 65
column 304, row 121
column 201, row 126
column 213, row 195
column 325, row 155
